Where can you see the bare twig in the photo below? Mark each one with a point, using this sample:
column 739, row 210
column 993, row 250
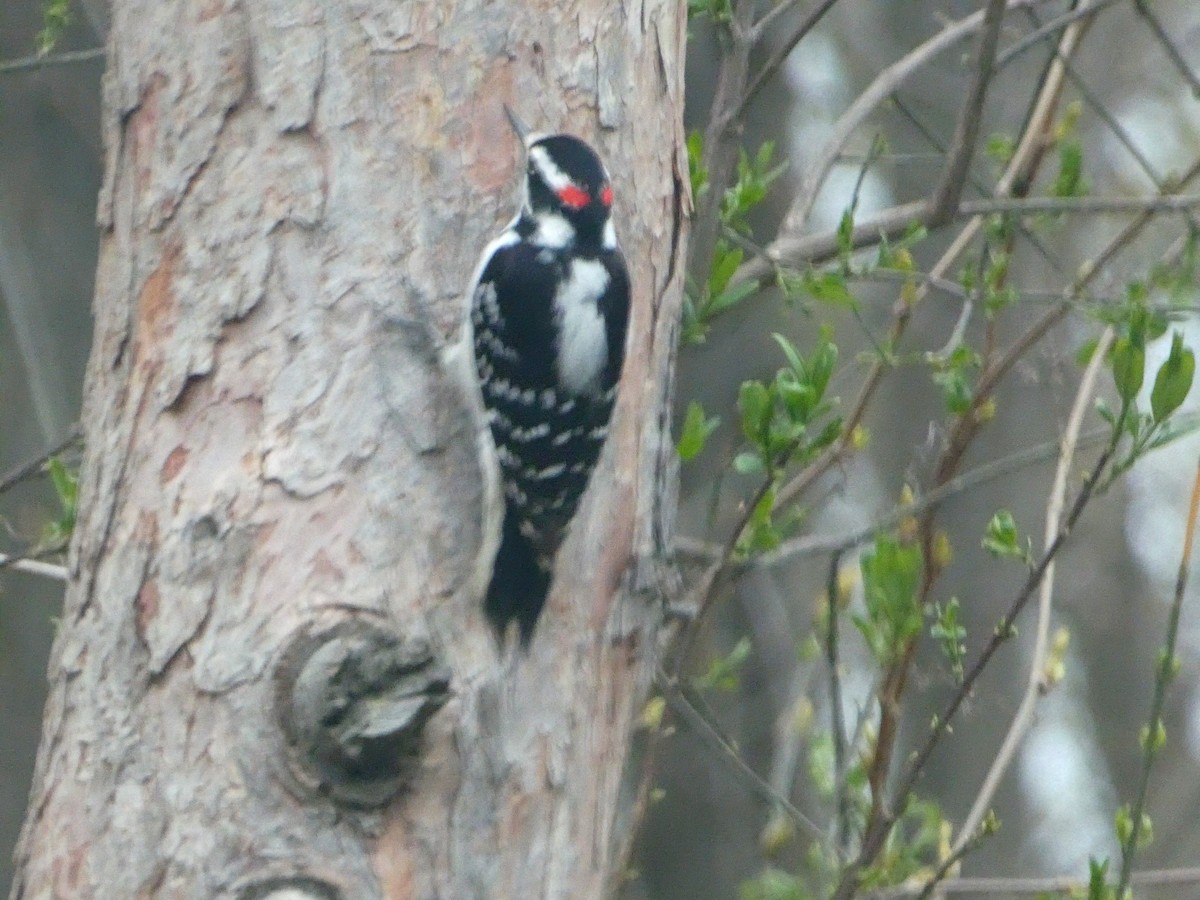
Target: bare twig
column 953, row 859
column 821, row 544
column 1017, row 176
column 884, row 85
column 1163, row 677
column 948, row 192
column 878, row 830
column 31, row 467
column 1169, row 46
column 1039, row 34
column 1080, row 205
column 895, row 221
column 784, row 50
column 934, row 141
column 41, row 61
column 835, row 701
column 1036, row 682
column 704, row 728
column 33, row 567
column 723, row 135
column 992, row 887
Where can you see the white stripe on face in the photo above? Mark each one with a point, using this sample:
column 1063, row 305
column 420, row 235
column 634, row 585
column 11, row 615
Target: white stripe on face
column 556, row 179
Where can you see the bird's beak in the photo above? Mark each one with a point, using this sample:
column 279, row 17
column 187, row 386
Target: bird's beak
column 521, row 130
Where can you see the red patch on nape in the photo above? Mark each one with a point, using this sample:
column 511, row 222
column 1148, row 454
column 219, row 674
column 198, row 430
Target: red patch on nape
column 573, row 197
column 606, row 195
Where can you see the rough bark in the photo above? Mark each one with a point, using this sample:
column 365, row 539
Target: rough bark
column 281, row 496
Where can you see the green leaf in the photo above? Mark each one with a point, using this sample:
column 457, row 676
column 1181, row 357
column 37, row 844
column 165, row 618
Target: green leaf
column 821, row 364
column 717, row 10
column 1173, row 381
column 891, row 576
column 1000, row 147
column 693, row 329
column 722, row 674
column 1124, row 824
column 725, row 262
column 730, row 298
column 1084, row 355
column 761, row 533
column 795, row 360
column 1156, row 742
column 755, row 403
column 956, row 391
column 1129, row 368
column 1070, row 181
column 798, row 400
column 1000, row 537
column 696, row 429
column 845, row 234
column 1098, row 880
column 949, row 633
column 831, row 288
column 65, row 482
column 697, row 173
column 56, row 16
column 773, row 884
column 747, row 463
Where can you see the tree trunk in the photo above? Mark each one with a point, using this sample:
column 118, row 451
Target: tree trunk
column 280, row 514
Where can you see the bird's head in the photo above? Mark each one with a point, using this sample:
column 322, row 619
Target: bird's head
column 567, row 189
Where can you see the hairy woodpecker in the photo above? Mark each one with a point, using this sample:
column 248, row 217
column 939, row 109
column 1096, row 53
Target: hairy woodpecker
column 549, row 309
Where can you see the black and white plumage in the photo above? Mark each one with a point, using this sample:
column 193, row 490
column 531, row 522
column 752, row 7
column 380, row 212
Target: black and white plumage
column 549, row 310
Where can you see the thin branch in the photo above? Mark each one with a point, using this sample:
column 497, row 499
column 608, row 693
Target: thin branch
column 821, row 544
column 722, row 137
column 885, row 84
column 991, row 887
column 1123, row 137
column 783, row 51
column 1169, row 46
column 33, row 567
column 896, row 221
column 876, row 835
column 793, row 247
column 31, row 467
column 835, row 702
column 949, row 190
column 41, row 61
column 707, row 731
column 1030, row 151
column 887, row 224
column 1080, row 205
column 1036, row 683
column 1017, row 48
column 932, row 139
column 953, row 858
column 1163, row 677
column 1105, row 115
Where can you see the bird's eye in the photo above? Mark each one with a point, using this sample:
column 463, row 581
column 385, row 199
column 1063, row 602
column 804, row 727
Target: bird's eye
column 606, row 195
column 573, row 197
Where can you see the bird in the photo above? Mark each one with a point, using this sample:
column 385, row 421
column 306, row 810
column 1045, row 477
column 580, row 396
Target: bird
column 548, row 321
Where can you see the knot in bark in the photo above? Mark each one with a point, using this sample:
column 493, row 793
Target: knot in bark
column 354, row 701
